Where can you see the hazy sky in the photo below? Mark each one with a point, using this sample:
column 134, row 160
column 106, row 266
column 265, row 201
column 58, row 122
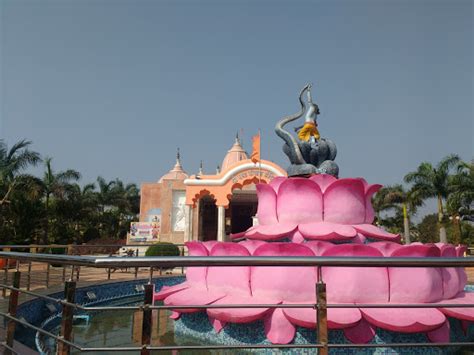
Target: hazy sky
column 111, row 88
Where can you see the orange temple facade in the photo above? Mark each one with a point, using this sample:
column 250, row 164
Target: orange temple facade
column 180, row 208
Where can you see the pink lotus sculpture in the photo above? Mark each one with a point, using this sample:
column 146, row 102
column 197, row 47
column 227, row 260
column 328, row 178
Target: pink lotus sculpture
column 319, row 208
column 287, row 285
column 314, row 213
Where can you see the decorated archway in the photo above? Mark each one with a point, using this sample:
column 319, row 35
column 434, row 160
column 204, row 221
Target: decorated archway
column 221, row 188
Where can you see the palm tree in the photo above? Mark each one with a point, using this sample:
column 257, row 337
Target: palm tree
column 461, row 188
column 105, row 195
column 13, row 162
column 429, row 181
column 55, row 185
column 397, row 197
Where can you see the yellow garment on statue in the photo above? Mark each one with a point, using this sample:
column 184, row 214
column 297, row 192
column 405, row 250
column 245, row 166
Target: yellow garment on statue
column 309, row 130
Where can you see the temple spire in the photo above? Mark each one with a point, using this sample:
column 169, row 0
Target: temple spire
column 177, row 166
column 200, row 169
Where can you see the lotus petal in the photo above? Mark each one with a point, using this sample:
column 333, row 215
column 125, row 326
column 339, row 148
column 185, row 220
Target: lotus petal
column 355, row 284
column 369, row 191
column 175, row 315
column 297, row 237
column 423, row 285
column 361, row 333
column 267, row 202
column 323, row 180
column 359, row 239
column 217, row 324
column 229, row 279
column 251, row 245
column 240, row 235
column 344, row 202
column 369, row 210
column 341, row 318
column 452, row 279
column 299, row 201
column 276, row 182
column 283, row 283
column 372, row 231
column 278, row 328
column 209, row 244
column 386, row 248
column 167, row 290
column 466, row 314
column 461, row 250
column 441, row 334
column 411, row 320
column 318, row 247
column 271, row 232
column 191, row 297
column 338, row 318
column 240, row 315
column 197, row 275
column 327, row 231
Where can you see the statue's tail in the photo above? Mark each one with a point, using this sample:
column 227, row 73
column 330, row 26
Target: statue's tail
column 297, row 157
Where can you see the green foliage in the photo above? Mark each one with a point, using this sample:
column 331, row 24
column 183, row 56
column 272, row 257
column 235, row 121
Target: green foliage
column 162, row 249
column 55, row 208
column 427, row 229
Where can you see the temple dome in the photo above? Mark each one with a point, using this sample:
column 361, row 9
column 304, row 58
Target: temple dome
column 234, row 155
column 177, row 173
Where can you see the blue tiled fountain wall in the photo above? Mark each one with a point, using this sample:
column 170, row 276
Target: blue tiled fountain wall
column 197, row 326
column 36, row 310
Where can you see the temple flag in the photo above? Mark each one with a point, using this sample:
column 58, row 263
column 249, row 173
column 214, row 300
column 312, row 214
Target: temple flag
column 255, row 157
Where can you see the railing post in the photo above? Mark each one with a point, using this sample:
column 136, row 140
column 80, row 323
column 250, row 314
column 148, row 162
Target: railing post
column 181, row 253
column 12, row 306
column 151, row 275
column 5, row 278
column 28, row 278
column 136, row 269
column 147, row 319
column 66, row 319
column 48, row 270
column 78, row 271
column 322, row 316
column 63, row 278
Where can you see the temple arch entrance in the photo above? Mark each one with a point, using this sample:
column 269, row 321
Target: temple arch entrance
column 234, row 194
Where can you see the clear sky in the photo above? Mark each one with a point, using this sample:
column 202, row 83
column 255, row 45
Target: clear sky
column 111, row 88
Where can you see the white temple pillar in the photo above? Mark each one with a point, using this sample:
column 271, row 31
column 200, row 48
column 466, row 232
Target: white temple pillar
column 221, row 237
column 188, row 223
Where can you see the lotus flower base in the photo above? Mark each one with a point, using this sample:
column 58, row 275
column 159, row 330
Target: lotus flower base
column 323, row 216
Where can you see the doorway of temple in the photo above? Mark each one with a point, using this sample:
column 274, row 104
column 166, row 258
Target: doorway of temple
column 207, row 219
column 242, row 209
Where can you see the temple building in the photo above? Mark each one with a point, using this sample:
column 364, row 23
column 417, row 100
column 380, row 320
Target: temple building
column 179, row 208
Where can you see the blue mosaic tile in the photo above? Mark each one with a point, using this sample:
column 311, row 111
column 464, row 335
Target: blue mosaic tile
column 195, row 327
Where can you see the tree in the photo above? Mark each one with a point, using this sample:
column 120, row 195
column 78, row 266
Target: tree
column 13, row 162
column 54, row 185
column 405, row 202
column 461, row 189
column 429, row 181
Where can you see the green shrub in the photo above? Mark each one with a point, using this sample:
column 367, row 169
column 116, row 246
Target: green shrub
column 162, row 249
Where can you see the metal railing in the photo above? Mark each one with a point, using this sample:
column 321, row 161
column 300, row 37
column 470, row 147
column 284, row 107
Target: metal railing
column 52, row 275
column 65, row 342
